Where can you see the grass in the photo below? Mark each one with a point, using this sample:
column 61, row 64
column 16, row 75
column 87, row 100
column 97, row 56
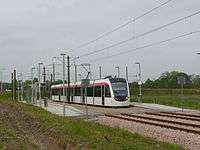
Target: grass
column 188, row 102
column 161, row 92
column 169, row 97
column 81, row 134
column 5, row 95
column 8, row 138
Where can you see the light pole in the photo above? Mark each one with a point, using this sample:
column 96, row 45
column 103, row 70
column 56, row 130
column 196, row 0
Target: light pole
column 139, row 81
column 118, row 71
column 63, row 55
column 39, row 81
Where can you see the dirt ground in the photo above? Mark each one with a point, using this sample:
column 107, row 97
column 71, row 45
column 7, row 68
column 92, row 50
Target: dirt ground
column 26, row 127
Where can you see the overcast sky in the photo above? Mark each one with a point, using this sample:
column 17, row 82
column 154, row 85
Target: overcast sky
column 33, row 31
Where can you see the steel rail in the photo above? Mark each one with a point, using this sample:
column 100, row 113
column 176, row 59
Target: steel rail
column 173, row 116
column 154, row 124
column 188, row 115
column 163, row 120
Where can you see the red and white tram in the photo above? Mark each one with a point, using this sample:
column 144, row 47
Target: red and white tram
column 108, row 92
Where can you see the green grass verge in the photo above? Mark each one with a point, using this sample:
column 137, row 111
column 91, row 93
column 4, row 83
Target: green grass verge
column 88, row 134
column 175, row 92
column 5, row 95
column 9, row 139
column 189, row 102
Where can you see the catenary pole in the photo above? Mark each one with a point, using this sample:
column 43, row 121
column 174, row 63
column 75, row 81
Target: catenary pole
column 100, row 72
column 39, row 82
column 68, row 75
column 18, row 88
column 54, row 72
column 140, row 81
column 32, row 85
column 63, row 55
column 14, row 85
column 127, row 73
column 44, row 81
column 118, row 71
column 22, row 88
column 75, row 72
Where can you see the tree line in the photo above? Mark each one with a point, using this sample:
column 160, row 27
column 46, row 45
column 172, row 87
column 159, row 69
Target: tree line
column 167, row 80
column 171, row 80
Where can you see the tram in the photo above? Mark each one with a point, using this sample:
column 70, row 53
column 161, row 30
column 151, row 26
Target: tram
column 108, row 92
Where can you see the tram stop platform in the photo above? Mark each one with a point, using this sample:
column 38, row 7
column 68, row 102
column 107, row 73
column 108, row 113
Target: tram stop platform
column 57, row 108
column 158, row 107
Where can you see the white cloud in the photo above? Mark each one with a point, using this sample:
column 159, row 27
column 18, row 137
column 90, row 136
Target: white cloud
column 31, row 31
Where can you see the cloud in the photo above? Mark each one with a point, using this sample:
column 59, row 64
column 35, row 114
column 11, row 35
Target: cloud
column 32, row 31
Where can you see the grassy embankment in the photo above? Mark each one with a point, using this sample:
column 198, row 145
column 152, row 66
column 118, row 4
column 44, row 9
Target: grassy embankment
column 27, row 127
column 170, row 97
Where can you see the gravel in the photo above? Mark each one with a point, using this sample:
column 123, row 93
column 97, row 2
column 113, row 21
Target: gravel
column 187, row 140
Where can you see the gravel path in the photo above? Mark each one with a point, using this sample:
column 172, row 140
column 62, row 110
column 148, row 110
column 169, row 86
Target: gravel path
column 187, row 140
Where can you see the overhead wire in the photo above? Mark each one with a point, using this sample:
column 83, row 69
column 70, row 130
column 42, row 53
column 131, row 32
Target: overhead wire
column 140, row 35
column 121, row 26
column 149, row 45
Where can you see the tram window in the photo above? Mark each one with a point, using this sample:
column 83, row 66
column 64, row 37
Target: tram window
column 107, row 91
column 97, row 91
column 55, row 91
column 77, row 91
column 90, row 91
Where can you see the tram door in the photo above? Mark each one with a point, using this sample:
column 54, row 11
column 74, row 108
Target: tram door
column 103, row 95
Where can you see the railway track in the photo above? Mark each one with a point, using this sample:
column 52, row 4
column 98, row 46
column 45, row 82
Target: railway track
column 182, row 114
column 163, row 120
column 175, row 125
column 174, row 116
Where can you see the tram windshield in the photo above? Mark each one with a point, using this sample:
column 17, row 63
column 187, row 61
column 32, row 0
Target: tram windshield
column 120, row 89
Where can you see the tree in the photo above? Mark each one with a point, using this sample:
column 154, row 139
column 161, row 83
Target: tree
column 195, row 80
column 149, row 83
column 169, row 80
